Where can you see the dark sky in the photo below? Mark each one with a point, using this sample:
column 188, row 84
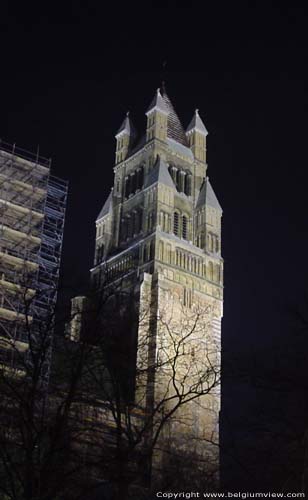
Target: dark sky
column 68, row 76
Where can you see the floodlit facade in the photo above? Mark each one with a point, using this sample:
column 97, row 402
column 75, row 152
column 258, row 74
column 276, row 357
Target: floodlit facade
column 158, row 237
column 32, row 210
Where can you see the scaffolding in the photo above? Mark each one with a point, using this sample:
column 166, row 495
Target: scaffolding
column 32, row 212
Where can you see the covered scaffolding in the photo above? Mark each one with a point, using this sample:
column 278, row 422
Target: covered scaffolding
column 32, row 211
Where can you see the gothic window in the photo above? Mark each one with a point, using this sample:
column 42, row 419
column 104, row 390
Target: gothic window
column 184, row 227
column 176, row 223
column 144, row 253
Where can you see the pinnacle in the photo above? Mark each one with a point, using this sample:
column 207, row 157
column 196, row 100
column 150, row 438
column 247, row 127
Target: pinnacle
column 197, row 124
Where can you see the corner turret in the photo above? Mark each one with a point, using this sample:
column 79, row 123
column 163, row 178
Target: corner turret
column 125, row 136
column 196, row 134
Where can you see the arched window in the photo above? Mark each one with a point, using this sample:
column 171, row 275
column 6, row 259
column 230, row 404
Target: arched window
column 178, row 179
column 150, row 221
column 184, row 227
column 152, row 250
column 161, row 251
column 124, row 228
column 100, row 254
column 139, row 226
column 129, row 226
column 134, row 182
column 210, row 271
column 194, row 265
column 126, row 187
column 169, row 254
column 176, row 223
column 161, row 220
column 217, row 245
column 141, row 177
column 212, row 243
column 201, row 240
column 131, row 184
column 217, row 273
column 187, row 189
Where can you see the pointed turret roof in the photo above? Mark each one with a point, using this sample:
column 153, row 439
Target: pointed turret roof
column 159, row 173
column 157, row 103
column 207, row 196
column 127, row 127
column 175, row 129
column 106, row 207
column 197, row 124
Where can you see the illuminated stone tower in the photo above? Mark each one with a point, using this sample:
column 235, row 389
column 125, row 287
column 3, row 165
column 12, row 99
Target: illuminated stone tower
column 160, row 227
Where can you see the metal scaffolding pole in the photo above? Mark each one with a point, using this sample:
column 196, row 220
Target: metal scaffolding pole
column 32, row 212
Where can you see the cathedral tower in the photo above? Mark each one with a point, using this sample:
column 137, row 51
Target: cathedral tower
column 159, row 231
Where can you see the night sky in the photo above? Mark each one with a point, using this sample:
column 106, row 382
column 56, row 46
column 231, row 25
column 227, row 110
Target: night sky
column 68, row 77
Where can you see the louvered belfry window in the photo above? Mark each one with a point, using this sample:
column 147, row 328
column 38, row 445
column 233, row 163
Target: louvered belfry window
column 184, row 227
column 176, row 223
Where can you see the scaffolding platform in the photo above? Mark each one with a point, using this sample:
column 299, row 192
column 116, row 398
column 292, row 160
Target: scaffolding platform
column 32, row 213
